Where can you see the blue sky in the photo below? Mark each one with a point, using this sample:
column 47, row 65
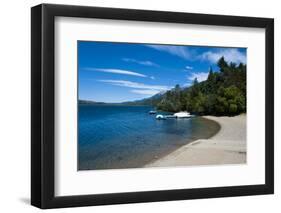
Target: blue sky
column 117, row 72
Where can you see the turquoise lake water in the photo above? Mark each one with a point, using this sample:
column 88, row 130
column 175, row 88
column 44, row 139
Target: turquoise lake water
column 116, row 137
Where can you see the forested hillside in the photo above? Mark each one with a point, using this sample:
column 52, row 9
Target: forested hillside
column 223, row 93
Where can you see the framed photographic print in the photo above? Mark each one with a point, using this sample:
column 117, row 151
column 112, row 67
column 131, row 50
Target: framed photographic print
column 139, row 106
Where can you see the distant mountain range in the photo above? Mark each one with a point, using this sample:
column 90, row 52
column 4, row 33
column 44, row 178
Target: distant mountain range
column 151, row 101
column 90, row 102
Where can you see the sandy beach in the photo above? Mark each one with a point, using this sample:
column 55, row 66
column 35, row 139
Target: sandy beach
column 228, row 146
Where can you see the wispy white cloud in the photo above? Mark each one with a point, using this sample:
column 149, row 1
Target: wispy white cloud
column 136, row 85
column 179, row 51
column 229, row 54
column 145, row 91
column 145, row 63
column 189, row 67
column 201, row 76
column 116, row 71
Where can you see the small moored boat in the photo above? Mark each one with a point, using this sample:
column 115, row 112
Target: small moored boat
column 160, row 117
column 152, row 112
column 175, row 115
column 182, row 115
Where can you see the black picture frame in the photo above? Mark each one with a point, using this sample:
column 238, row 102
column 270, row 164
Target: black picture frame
column 43, row 110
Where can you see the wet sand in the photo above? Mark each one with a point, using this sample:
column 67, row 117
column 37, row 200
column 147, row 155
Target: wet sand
column 228, row 146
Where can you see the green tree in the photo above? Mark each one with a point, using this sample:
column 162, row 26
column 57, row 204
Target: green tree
column 222, row 64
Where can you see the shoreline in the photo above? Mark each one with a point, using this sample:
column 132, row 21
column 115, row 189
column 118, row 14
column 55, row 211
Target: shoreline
column 227, row 146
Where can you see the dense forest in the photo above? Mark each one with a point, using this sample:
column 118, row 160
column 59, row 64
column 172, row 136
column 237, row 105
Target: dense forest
column 223, row 93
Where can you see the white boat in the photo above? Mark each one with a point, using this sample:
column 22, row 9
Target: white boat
column 160, row 117
column 182, row 115
column 152, row 112
column 175, row 115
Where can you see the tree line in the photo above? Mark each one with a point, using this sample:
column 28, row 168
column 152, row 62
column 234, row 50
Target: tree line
column 223, row 93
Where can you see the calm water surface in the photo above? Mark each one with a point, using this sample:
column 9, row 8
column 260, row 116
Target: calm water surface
column 115, row 137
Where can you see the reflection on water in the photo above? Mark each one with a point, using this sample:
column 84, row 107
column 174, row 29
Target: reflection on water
column 113, row 137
